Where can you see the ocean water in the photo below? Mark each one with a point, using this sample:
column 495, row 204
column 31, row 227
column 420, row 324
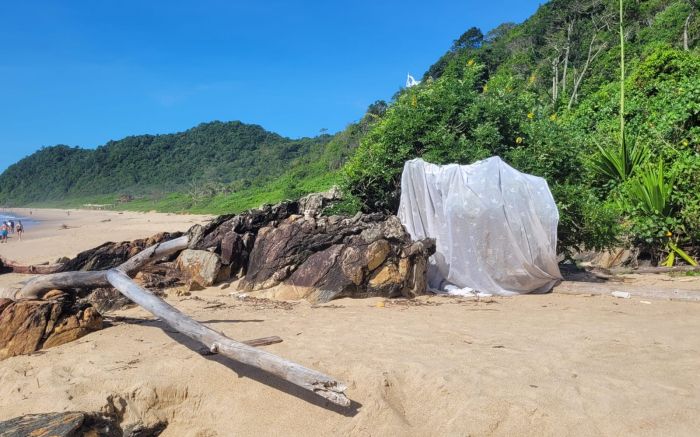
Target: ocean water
column 8, row 215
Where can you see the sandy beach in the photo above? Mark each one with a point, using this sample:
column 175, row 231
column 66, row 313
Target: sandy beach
column 55, row 233
column 530, row 365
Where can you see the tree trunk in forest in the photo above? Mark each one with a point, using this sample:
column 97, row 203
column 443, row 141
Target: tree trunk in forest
column 592, row 55
column 567, row 50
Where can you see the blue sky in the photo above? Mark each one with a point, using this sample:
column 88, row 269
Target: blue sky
column 85, row 72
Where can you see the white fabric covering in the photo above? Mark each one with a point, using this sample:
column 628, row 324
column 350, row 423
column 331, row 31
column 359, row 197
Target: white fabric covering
column 495, row 227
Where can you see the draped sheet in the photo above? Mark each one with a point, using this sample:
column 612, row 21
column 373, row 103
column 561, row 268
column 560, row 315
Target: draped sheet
column 495, row 227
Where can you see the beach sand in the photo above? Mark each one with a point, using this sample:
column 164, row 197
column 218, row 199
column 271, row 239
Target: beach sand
column 57, row 233
column 529, row 365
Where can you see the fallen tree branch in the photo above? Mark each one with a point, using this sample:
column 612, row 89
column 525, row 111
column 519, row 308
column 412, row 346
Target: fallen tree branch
column 655, row 270
column 309, row 379
column 263, row 341
column 95, row 279
column 41, row 269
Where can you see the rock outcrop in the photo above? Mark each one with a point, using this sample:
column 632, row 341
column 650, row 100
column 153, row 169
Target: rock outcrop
column 295, row 256
column 74, row 424
column 289, row 250
column 29, row 325
column 323, row 258
column 109, row 255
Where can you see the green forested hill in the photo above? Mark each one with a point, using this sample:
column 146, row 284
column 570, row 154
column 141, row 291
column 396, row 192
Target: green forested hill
column 217, row 156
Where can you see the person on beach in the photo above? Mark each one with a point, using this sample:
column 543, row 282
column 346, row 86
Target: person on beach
column 12, row 226
column 19, row 229
column 3, row 233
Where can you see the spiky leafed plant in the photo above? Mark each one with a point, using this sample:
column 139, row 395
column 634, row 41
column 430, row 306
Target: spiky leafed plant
column 651, row 192
column 619, row 163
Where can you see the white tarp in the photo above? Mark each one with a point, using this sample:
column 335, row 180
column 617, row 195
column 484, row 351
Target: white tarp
column 495, row 227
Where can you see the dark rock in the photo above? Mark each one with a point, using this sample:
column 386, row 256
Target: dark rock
column 74, row 424
column 106, row 299
column 111, row 255
column 322, row 258
column 233, row 236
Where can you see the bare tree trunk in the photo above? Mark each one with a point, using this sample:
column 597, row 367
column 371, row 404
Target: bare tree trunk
column 66, row 280
column 41, row 269
column 685, row 32
column 569, row 29
column 592, row 55
column 308, row 379
column 555, row 78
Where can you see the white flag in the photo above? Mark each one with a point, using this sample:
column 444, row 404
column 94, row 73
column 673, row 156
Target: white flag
column 410, row 81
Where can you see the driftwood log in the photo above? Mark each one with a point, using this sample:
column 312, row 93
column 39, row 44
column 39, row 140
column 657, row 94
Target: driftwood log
column 243, row 352
column 218, row 343
column 66, row 280
column 15, row 267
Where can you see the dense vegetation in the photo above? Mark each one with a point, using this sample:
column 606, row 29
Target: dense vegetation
column 545, row 95
column 210, row 159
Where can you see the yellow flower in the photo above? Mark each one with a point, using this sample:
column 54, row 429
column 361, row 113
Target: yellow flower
column 470, row 62
column 669, row 234
column 486, row 88
column 530, row 115
column 519, row 140
column 553, row 117
column 685, row 143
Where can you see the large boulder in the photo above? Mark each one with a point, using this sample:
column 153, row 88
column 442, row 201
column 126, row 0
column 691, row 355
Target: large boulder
column 200, row 266
column 29, row 325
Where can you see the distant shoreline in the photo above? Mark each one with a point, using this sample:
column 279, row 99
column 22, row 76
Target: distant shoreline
column 57, row 233
column 11, row 214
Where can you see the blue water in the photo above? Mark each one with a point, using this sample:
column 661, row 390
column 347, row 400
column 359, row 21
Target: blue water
column 9, row 215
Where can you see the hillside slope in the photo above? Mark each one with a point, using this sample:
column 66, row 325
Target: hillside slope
column 212, row 157
column 545, row 96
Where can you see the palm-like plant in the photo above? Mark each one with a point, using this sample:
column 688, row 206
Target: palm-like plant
column 651, row 192
column 618, row 163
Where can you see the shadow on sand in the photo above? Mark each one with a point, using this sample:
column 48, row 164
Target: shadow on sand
column 244, row 370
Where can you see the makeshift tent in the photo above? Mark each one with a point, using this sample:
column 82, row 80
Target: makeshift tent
column 495, row 227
